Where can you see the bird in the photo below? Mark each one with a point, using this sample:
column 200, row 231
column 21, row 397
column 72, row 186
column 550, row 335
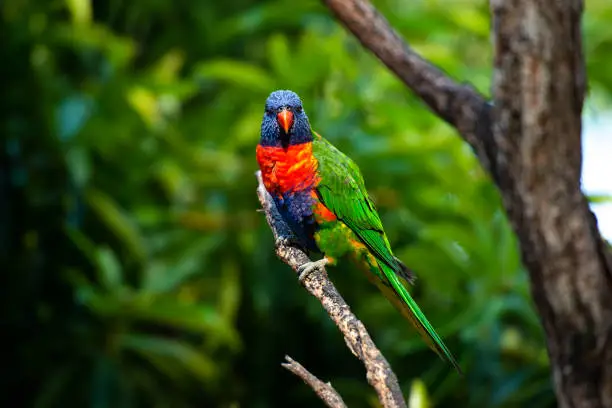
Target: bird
column 321, row 195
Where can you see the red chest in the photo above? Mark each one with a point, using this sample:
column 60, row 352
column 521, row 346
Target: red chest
column 286, row 170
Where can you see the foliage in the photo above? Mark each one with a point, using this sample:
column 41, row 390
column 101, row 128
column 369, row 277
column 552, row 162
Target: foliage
column 138, row 272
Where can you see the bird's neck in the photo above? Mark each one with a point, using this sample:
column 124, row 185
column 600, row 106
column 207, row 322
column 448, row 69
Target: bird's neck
column 298, row 136
column 287, row 170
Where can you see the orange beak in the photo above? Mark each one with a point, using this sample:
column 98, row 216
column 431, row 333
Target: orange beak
column 285, row 119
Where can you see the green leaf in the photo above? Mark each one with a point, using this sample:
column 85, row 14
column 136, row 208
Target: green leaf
column 80, row 11
column 175, row 352
column 79, row 164
column 229, row 295
column 418, row 395
column 109, row 268
column 119, row 50
column 144, row 102
column 237, row 73
column 195, row 317
column 599, row 198
column 117, row 221
column 279, row 55
column 83, row 243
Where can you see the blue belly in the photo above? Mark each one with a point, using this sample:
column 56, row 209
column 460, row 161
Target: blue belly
column 297, row 211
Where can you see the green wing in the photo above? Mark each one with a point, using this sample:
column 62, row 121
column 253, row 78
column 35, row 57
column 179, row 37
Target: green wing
column 342, row 190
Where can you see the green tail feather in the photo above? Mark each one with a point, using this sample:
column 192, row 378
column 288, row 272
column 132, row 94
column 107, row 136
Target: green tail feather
column 402, row 300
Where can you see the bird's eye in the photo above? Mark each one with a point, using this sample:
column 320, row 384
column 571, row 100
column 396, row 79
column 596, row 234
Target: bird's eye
column 298, row 109
column 269, row 111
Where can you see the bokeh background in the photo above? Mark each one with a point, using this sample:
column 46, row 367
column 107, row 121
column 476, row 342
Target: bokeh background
column 137, row 271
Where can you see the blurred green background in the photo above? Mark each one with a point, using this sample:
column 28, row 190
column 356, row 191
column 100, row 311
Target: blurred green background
column 137, row 272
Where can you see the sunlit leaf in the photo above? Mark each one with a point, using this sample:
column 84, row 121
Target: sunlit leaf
column 145, row 103
column 80, row 10
column 599, row 198
column 239, row 73
column 168, row 67
column 418, row 395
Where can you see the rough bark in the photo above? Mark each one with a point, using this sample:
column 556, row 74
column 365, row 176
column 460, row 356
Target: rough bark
column 529, row 141
column 378, row 371
column 539, row 85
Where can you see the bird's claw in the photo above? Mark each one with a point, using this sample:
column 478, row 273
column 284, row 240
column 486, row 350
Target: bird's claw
column 310, row 267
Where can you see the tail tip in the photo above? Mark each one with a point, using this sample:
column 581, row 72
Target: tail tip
column 406, row 273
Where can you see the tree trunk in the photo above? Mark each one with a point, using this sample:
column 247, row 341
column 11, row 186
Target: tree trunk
column 538, row 88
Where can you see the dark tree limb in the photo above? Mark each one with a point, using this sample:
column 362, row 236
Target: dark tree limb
column 529, row 140
column 378, row 371
column 458, row 104
column 325, row 391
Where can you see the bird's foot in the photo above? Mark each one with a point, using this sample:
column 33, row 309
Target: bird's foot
column 286, row 240
column 310, row 267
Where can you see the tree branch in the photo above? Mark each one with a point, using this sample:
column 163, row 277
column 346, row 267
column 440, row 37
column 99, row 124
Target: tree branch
column 325, row 391
column 459, row 105
column 530, row 143
column 379, row 373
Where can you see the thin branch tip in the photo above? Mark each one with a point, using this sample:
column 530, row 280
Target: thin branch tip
column 324, row 390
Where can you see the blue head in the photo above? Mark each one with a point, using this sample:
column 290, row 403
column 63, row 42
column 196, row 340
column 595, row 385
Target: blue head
column 284, row 123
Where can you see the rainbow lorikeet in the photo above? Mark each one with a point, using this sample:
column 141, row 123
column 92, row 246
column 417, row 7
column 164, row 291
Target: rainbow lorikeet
column 321, row 195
